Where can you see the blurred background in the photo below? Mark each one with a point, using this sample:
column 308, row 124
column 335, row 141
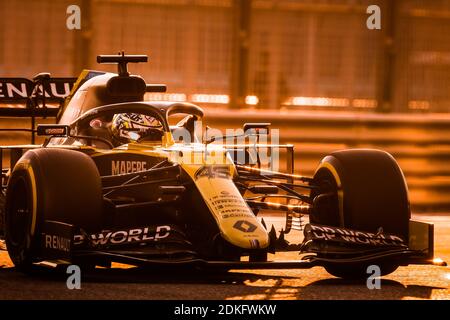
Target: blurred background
column 311, row 67
column 292, row 53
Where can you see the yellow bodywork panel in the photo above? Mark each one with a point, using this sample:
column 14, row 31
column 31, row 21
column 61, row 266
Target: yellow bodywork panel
column 213, row 177
column 236, row 221
column 212, row 170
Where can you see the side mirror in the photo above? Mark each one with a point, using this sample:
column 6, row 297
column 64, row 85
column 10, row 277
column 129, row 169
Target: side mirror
column 55, row 130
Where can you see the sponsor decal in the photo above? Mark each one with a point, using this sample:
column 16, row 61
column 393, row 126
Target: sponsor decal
column 146, row 234
column 212, row 172
column 235, row 215
column 122, row 167
column 244, row 226
column 57, row 243
column 55, row 131
column 13, row 89
column 230, row 206
column 57, row 239
column 351, row 236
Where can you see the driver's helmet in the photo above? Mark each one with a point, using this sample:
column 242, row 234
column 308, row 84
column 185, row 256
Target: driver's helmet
column 129, row 127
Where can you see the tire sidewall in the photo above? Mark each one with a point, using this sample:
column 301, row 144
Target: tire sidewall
column 373, row 192
column 21, row 252
column 61, row 185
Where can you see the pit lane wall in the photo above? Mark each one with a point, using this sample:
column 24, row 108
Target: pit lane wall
column 419, row 142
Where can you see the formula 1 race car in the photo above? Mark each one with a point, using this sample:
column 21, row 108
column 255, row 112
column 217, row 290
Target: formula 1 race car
column 116, row 181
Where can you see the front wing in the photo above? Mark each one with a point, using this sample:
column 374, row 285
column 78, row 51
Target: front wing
column 164, row 246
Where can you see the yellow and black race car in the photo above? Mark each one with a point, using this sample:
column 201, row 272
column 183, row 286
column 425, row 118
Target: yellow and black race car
column 115, row 182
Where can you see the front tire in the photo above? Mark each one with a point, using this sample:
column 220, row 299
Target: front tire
column 366, row 190
column 49, row 184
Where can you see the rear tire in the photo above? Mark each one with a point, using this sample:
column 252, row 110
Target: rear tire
column 367, row 191
column 49, row 184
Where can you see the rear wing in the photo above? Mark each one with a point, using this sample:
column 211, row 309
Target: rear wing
column 36, row 96
column 44, row 96
column 17, row 95
column 41, row 97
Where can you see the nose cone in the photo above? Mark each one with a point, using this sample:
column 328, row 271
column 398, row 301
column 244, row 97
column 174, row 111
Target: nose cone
column 236, row 221
column 246, row 233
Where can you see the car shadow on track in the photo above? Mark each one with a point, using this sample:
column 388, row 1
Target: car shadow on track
column 208, row 284
column 357, row 290
column 158, row 276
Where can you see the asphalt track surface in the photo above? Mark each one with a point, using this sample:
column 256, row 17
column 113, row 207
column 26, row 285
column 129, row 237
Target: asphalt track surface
column 120, row 282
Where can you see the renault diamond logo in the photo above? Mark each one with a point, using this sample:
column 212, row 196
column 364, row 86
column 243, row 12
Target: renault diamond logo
column 244, row 226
